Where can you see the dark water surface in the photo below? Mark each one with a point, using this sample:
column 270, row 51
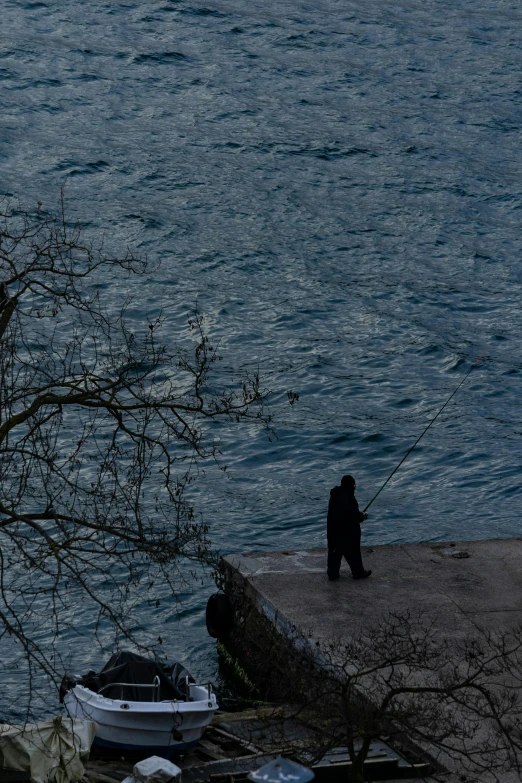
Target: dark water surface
column 340, row 185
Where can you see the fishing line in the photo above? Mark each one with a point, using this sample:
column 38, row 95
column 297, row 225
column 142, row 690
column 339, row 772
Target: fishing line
column 425, row 431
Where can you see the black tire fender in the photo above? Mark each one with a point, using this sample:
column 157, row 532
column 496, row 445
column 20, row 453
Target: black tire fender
column 219, row 615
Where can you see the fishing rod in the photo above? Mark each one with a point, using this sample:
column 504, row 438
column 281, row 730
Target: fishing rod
column 425, row 431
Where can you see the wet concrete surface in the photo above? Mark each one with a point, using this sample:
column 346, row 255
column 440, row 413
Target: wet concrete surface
column 465, row 586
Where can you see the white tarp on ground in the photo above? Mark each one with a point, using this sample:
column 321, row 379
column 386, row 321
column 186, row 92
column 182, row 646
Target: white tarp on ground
column 51, row 750
column 154, row 770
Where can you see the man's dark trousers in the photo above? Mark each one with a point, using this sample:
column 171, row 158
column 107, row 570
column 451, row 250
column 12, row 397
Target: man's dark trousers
column 350, row 548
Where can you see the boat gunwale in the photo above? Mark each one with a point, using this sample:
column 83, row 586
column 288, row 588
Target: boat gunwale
column 159, row 707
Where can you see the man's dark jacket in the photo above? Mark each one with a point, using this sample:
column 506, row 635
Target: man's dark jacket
column 343, row 519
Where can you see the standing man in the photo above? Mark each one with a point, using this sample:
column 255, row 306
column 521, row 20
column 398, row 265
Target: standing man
column 344, row 530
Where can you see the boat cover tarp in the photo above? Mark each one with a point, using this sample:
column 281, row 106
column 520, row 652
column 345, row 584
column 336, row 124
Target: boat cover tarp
column 51, row 751
column 132, row 670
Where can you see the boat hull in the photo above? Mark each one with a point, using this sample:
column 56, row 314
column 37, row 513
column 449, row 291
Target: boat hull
column 158, row 728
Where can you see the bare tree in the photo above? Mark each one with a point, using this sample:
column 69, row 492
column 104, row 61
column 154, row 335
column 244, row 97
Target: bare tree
column 457, row 703
column 101, row 431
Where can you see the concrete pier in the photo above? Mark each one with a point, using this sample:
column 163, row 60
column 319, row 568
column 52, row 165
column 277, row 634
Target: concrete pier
column 464, row 586
column 468, row 589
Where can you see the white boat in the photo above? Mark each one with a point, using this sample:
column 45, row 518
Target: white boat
column 127, row 703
